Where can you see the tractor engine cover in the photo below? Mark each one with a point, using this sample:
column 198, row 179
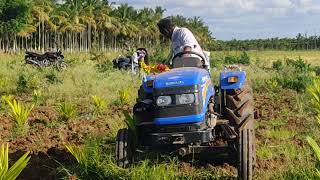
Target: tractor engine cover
column 185, row 93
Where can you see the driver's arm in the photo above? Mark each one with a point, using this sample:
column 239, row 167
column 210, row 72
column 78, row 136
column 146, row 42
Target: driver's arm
column 168, row 61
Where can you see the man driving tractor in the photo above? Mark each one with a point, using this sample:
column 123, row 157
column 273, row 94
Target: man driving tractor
column 182, row 40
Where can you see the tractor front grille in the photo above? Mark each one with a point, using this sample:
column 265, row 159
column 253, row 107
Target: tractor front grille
column 175, row 110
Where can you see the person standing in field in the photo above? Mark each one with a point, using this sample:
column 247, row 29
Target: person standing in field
column 182, row 39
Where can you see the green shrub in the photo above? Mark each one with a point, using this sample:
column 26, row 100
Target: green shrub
column 317, row 70
column 22, row 84
column 159, row 55
column 297, row 82
column 27, row 83
column 244, row 58
column 66, row 111
column 272, row 83
column 294, row 74
column 230, row 59
column 277, row 65
column 299, row 65
column 13, row 172
column 216, row 62
column 52, row 77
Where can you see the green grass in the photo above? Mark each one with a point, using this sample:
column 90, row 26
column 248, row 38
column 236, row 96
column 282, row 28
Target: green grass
column 265, row 152
column 268, row 57
column 279, row 134
column 91, row 75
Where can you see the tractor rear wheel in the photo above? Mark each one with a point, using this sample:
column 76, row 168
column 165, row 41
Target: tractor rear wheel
column 240, row 111
column 124, row 148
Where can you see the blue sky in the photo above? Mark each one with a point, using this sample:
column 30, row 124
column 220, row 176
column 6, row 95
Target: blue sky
column 246, row 19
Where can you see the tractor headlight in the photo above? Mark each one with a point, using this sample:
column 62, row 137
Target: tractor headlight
column 185, row 99
column 164, row 100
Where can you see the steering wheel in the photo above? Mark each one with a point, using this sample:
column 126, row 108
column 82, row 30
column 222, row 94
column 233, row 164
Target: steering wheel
column 180, row 54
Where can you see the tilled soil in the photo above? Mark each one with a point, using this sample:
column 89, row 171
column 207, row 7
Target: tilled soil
column 46, row 137
column 273, row 107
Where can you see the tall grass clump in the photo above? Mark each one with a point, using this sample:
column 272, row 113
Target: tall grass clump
column 67, row 111
column 13, row 172
column 100, row 105
column 28, row 82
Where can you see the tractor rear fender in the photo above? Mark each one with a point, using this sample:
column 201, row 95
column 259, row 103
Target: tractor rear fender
column 232, row 79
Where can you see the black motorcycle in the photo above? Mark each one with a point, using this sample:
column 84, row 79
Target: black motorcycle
column 46, row 60
column 131, row 63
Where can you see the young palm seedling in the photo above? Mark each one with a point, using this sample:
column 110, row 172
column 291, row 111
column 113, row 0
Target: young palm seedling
column 19, row 113
column 130, row 121
column 5, row 99
column 124, row 97
column 80, row 153
column 99, row 105
column 14, row 171
column 314, row 90
column 37, row 96
column 66, row 111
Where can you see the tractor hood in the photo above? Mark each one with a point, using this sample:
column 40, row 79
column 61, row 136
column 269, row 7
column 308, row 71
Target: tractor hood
column 186, row 76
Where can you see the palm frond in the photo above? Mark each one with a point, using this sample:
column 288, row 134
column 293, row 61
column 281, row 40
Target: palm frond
column 314, row 146
column 14, row 171
column 79, row 153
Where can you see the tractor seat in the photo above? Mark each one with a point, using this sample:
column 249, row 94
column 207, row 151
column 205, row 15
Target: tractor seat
column 187, row 62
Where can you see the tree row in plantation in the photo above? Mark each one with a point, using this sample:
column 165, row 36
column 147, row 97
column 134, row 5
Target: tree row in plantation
column 81, row 25
column 298, row 43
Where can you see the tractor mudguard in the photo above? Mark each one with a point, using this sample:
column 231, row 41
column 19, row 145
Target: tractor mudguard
column 239, row 76
column 147, row 83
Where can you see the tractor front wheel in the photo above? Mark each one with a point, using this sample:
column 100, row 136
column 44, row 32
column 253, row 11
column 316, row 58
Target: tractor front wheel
column 124, row 148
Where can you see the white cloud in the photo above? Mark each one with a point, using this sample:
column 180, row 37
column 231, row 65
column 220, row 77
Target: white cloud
column 281, row 3
column 245, row 18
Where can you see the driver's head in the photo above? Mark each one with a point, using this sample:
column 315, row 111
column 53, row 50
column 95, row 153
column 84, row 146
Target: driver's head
column 166, row 27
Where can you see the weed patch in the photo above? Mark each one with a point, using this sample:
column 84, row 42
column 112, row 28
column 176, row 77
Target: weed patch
column 279, row 134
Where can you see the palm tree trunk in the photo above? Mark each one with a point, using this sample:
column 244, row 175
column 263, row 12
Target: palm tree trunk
column 43, row 37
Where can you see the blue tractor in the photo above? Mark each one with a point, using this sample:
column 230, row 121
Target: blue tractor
column 181, row 112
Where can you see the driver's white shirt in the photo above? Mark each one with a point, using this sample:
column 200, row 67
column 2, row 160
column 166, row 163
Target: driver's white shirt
column 183, row 37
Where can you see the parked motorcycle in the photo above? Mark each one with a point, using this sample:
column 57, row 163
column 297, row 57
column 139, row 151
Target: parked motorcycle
column 131, row 63
column 47, row 59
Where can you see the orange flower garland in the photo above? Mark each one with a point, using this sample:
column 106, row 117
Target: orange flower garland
column 154, row 69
